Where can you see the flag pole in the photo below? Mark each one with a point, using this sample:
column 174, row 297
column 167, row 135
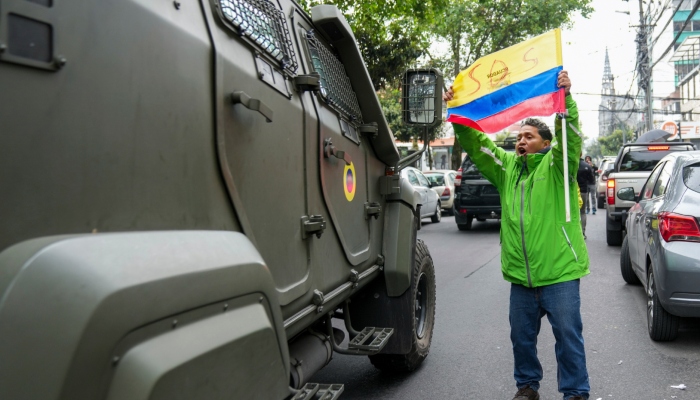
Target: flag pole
column 567, row 197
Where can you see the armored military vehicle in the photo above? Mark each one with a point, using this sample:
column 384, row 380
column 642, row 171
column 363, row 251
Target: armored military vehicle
column 192, row 193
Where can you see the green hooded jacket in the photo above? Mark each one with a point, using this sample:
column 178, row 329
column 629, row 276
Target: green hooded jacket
column 539, row 247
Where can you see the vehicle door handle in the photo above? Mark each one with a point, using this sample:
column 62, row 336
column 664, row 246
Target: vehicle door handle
column 330, row 151
column 252, row 104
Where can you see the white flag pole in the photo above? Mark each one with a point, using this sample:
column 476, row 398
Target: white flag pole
column 567, row 198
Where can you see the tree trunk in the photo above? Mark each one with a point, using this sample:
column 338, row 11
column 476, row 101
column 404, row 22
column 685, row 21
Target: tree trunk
column 456, row 159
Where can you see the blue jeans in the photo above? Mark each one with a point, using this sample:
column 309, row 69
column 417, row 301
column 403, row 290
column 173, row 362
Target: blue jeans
column 561, row 304
column 592, row 198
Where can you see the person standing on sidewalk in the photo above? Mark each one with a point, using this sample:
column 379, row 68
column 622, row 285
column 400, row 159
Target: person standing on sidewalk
column 585, row 179
column 543, row 256
column 593, row 201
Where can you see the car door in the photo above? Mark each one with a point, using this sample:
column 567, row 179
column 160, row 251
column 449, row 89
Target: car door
column 343, row 153
column 648, row 220
column 430, row 202
column 635, row 221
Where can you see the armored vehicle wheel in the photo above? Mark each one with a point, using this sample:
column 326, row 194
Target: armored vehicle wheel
column 438, row 214
column 423, row 315
column 626, row 265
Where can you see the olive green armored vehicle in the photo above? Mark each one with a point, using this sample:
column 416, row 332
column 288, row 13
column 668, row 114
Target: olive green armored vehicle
column 200, row 199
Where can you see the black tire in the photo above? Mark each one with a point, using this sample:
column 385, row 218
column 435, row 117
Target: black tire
column 422, row 315
column 481, row 219
column 467, row 226
column 614, row 238
column 438, row 214
column 626, row 264
column 601, row 203
column 663, row 327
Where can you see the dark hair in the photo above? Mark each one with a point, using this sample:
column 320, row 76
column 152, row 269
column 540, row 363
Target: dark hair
column 588, row 158
column 542, row 128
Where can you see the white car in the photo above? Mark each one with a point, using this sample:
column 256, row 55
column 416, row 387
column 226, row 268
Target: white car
column 429, row 199
column 443, row 183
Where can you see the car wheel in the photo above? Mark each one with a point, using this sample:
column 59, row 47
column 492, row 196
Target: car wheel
column 663, row 327
column 626, row 264
column 438, row 214
column 601, row 203
column 422, row 309
column 614, row 238
column 467, row 226
column 481, row 219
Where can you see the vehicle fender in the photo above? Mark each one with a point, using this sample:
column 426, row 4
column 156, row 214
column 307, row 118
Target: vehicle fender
column 147, row 315
column 400, row 225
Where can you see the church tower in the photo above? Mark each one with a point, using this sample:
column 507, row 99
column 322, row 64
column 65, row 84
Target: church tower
column 607, row 100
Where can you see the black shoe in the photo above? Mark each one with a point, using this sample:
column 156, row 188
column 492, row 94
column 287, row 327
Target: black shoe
column 577, row 398
column 526, row 393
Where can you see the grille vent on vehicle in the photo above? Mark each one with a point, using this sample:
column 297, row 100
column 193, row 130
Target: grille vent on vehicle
column 265, row 25
column 335, row 84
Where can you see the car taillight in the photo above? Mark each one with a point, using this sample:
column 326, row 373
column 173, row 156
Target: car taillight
column 677, row 227
column 611, row 191
column 458, row 178
column 446, row 192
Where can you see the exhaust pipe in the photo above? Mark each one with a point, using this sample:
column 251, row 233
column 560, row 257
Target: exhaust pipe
column 308, row 354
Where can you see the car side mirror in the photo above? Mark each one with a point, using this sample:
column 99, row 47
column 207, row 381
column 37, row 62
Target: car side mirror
column 627, row 194
column 421, row 97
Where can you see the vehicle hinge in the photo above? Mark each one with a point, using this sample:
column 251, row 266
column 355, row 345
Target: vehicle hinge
column 310, row 82
column 371, row 129
column 372, row 209
column 389, row 185
column 312, row 225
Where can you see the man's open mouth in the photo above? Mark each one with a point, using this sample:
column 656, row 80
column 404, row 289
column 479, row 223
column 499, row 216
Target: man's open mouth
column 521, row 150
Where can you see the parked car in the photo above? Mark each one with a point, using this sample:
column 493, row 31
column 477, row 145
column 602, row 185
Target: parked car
column 662, row 246
column 633, row 166
column 604, row 169
column 475, row 196
column 430, row 201
column 442, row 181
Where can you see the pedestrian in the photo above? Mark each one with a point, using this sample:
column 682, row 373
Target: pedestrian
column 543, row 256
column 593, row 201
column 585, row 178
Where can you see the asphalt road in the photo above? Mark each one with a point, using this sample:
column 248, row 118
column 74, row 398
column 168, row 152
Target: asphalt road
column 470, row 356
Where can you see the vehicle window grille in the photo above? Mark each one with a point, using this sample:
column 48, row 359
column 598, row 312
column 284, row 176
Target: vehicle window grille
column 335, row 84
column 265, row 25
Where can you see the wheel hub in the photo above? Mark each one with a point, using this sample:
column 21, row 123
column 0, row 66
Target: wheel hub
column 421, row 305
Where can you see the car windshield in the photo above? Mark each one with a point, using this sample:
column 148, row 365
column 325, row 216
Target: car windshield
column 644, row 160
column 691, row 177
column 469, row 168
column 436, row 179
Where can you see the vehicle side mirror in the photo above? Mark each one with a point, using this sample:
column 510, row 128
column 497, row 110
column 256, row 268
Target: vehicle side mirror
column 421, row 97
column 627, row 194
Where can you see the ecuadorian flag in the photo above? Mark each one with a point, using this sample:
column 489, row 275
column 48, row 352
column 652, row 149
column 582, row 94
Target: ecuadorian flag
column 510, row 85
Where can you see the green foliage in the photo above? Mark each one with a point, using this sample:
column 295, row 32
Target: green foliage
column 610, row 145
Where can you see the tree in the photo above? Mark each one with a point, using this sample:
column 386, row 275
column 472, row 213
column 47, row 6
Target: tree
column 610, row 145
column 474, row 28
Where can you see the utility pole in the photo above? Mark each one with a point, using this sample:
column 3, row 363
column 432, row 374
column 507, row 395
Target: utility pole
column 644, row 66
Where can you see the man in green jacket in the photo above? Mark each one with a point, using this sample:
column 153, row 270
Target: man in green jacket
column 542, row 255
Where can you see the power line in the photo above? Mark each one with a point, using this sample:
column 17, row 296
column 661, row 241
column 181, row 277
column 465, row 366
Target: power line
column 680, row 31
column 653, row 42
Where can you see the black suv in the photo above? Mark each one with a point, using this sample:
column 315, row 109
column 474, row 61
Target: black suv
column 476, row 197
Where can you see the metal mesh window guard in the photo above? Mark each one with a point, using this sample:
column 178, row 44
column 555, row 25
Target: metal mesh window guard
column 335, row 84
column 419, row 93
column 265, row 25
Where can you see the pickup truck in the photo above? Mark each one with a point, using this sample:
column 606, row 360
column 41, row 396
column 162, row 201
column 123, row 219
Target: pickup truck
column 634, row 163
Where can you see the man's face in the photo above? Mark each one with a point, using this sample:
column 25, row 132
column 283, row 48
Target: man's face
column 529, row 141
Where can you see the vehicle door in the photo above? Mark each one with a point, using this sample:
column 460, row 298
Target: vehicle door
column 648, row 220
column 342, row 153
column 430, row 201
column 260, row 122
column 634, row 221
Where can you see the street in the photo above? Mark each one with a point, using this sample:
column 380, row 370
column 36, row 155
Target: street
column 471, row 357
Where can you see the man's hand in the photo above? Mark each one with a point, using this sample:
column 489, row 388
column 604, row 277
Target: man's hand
column 448, row 95
column 563, row 81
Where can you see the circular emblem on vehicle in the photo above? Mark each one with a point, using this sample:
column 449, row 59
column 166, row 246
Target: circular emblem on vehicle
column 350, row 181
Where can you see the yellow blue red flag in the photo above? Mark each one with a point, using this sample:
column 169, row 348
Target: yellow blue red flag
column 509, row 85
